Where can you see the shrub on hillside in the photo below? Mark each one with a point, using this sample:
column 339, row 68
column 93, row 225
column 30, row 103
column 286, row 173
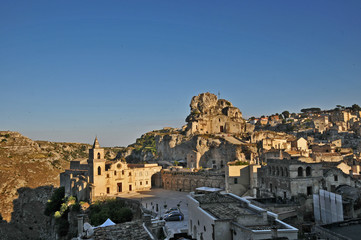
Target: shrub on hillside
column 55, row 202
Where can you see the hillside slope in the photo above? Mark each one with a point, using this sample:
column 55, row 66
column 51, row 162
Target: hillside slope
column 28, row 163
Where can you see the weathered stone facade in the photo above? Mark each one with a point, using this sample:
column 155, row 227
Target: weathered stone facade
column 189, row 181
column 97, row 177
column 288, row 178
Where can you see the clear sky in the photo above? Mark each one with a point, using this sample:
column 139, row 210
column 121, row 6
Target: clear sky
column 71, row 70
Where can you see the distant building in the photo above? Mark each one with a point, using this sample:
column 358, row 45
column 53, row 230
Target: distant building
column 98, row 177
column 226, row 216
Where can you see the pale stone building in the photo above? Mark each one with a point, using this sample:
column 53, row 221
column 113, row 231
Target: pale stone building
column 226, row 216
column 241, row 179
column 98, row 177
column 300, row 144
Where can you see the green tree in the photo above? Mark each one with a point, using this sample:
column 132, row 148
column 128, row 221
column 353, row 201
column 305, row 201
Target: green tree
column 286, row 114
column 355, row 107
column 55, row 202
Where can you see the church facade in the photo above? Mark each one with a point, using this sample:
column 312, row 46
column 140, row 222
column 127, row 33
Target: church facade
column 97, row 177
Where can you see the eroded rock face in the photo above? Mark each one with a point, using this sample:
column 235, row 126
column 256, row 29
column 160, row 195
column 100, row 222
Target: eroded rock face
column 28, row 220
column 207, row 104
column 209, row 151
column 210, row 115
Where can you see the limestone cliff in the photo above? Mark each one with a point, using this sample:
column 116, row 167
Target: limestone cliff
column 212, row 151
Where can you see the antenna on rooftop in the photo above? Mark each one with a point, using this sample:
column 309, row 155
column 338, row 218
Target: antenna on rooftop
column 219, row 94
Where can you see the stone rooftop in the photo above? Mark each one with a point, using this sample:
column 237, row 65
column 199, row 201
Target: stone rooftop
column 227, row 210
column 126, row 231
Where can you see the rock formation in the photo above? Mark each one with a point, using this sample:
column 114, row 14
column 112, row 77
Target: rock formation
column 210, row 115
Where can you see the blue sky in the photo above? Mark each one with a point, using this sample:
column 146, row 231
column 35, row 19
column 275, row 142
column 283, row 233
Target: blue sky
column 71, row 70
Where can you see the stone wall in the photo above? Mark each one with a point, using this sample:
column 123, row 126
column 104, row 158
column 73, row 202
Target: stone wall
column 189, row 181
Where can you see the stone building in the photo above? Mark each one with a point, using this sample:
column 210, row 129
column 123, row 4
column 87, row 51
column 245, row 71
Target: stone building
column 183, row 180
column 210, row 115
column 288, row 178
column 226, row 216
column 241, row 179
column 98, row 177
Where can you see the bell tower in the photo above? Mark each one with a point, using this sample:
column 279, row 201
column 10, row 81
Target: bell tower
column 96, row 162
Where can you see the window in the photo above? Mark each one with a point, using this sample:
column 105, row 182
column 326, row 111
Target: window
column 130, row 174
column 146, row 182
column 308, row 171
column 335, row 178
column 235, row 180
column 300, row 172
column 141, row 183
column 108, row 190
column 115, row 173
column 309, row 191
column 122, row 172
column 108, row 175
column 130, row 187
column 98, row 155
column 270, row 187
column 99, row 170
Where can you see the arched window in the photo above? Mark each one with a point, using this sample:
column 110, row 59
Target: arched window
column 308, row 171
column 99, row 170
column 300, row 172
column 277, row 171
column 281, row 171
column 98, row 155
column 273, row 170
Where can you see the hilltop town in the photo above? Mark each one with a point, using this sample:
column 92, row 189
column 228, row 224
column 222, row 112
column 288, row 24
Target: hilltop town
column 281, row 171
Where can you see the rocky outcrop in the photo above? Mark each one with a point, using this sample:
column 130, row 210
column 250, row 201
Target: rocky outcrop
column 210, row 115
column 28, row 220
column 211, row 150
column 207, row 104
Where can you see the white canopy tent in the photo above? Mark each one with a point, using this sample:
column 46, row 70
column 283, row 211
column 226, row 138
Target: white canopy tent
column 107, row 223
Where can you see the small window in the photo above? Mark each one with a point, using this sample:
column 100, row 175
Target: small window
column 235, row 180
column 309, row 191
column 108, row 175
column 335, row 178
column 99, row 170
column 115, row 173
column 141, row 183
column 122, row 172
column 108, row 190
column 130, row 174
column 308, row 171
column 146, row 182
column 300, row 172
column 204, row 227
column 98, row 155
